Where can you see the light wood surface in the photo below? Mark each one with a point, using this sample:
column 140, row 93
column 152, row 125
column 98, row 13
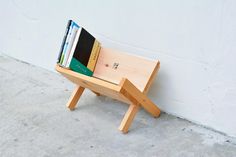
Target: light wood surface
column 114, row 65
column 75, row 97
column 128, row 118
column 96, row 85
column 137, row 97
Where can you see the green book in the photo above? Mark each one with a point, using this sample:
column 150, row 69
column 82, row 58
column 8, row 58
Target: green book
column 81, row 61
column 77, row 66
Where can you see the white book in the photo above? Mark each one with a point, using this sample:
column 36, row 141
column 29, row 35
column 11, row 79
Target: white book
column 70, row 42
column 66, row 43
column 76, row 40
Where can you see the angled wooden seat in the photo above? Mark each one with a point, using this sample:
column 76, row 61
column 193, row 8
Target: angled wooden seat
column 120, row 76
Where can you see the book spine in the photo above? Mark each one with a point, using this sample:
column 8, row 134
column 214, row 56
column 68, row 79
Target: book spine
column 66, row 44
column 94, row 56
column 84, row 47
column 76, row 41
column 64, row 40
column 77, row 66
column 70, row 43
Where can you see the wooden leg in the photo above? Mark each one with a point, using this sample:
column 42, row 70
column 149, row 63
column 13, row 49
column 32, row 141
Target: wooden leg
column 75, row 97
column 133, row 94
column 128, row 118
column 150, row 107
column 98, row 94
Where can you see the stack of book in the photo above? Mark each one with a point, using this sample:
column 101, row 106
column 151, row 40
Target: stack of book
column 79, row 50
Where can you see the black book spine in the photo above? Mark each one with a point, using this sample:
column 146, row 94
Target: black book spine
column 84, row 47
column 64, row 40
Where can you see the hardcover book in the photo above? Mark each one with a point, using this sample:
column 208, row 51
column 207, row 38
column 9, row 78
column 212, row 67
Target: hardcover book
column 63, row 42
column 71, row 36
column 80, row 50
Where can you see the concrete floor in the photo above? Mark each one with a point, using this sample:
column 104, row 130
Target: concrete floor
column 35, row 122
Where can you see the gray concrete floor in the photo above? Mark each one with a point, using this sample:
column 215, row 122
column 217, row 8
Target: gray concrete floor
column 35, row 122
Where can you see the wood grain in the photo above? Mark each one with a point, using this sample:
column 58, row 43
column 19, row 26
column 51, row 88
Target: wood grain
column 75, row 97
column 97, row 85
column 114, row 65
column 128, row 118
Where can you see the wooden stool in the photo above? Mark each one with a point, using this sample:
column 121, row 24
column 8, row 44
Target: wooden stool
column 120, row 76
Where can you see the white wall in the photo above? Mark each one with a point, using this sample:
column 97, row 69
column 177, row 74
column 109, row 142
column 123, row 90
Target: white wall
column 195, row 41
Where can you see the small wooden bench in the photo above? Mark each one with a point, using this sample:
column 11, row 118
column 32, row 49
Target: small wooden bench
column 120, row 76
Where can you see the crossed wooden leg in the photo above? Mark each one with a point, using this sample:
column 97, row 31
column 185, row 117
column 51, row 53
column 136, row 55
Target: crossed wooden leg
column 75, row 97
column 138, row 98
column 128, row 90
column 128, row 118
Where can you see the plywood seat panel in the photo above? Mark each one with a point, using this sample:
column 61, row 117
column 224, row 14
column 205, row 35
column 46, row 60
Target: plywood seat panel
column 113, row 65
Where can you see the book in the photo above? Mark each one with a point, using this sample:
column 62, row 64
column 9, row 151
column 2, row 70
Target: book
column 66, row 43
column 94, row 56
column 63, row 41
column 85, row 54
column 74, row 28
column 73, row 47
column 80, row 50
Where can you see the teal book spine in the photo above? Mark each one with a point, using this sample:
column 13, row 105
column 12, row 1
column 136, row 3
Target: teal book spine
column 77, row 66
